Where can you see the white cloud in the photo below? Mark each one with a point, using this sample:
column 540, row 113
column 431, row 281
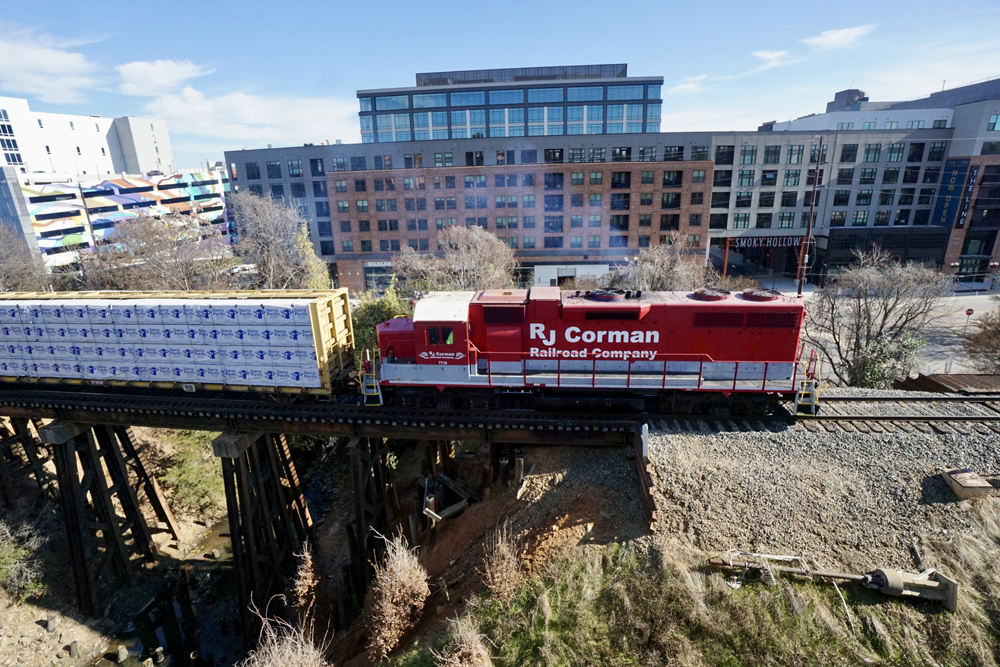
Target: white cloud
column 691, row 84
column 39, row 65
column 227, row 121
column 772, row 59
column 837, row 39
column 157, row 77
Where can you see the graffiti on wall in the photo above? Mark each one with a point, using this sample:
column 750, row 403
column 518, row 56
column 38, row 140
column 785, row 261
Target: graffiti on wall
column 69, row 217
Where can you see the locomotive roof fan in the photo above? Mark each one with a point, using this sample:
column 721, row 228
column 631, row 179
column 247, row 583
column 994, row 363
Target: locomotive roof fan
column 710, row 294
column 761, row 294
column 605, row 295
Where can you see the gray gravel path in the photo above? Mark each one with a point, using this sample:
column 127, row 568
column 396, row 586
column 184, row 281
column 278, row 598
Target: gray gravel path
column 857, row 500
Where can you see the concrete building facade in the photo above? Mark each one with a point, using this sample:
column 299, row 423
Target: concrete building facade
column 70, row 147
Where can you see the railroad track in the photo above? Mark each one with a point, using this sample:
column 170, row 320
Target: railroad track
column 944, row 413
column 925, row 413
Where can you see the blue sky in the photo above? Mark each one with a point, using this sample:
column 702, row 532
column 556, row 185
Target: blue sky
column 227, row 73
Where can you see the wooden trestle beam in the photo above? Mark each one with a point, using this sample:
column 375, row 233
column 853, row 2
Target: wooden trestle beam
column 268, row 517
column 92, row 463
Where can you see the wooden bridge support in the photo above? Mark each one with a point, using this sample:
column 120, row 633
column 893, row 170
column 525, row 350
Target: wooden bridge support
column 369, row 474
column 268, row 517
column 19, row 455
column 92, row 464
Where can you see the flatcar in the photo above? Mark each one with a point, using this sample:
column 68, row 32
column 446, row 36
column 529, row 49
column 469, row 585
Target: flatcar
column 704, row 352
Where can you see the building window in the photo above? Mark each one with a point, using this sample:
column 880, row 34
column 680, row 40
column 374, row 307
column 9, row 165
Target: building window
column 932, row 174
column 698, row 176
column 748, row 155
column 926, row 196
column 937, row 151
column 699, row 153
column 786, row 219
column 763, row 221
column 845, row 126
column 295, row 168
column 886, row 197
column 347, row 246
column 863, row 198
column 838, row 219
column 811, row 176
column 882, row 218
column 673, row 153
column 990, row 148
column 789, row 198
column 718, row 221
column 916, row 153
column 902, row 216
column 596, row 177
column 528, row 201
column 698, row 198
column 553, row 156
column 874, row 151
column 673, row 200
column 841, row 197
column 746, row 178
column 743, row 199
column 668, row 222
column 764, row 199
column 724, row 154
column 366, row 246
column 911, row 175
column 914, row 125
column 621, row 154
column 621, row 180
column 577, row 200
column 594, row 221
column 619, row 201
column 794, row 154
column 720, row 199
column 792, row 177
column 553, row 241
column 647, row 177
column 741, row 220
column 722, row 178
column 845, row 176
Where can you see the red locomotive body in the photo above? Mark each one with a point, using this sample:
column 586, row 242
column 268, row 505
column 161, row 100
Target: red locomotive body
column 549, row 342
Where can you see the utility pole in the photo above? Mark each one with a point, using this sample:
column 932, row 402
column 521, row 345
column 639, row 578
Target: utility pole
column 803, row 250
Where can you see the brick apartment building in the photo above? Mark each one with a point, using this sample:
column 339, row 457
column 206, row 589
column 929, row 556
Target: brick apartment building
column 576, row 159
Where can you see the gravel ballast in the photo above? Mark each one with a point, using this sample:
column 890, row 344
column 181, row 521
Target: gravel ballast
column 854, row 500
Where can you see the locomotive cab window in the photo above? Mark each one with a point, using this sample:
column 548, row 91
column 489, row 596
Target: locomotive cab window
column 440, row 336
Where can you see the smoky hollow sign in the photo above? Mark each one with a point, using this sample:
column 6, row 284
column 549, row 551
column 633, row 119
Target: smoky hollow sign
column 605, row 343
column 766, row 241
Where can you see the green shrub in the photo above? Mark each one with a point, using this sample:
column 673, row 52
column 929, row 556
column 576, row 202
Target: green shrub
column 194, row 475
column 19, row 569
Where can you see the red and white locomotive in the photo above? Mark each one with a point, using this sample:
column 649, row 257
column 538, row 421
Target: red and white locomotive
column 702, row 352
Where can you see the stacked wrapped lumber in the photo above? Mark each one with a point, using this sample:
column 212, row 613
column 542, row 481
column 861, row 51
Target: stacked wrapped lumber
column 267, row 340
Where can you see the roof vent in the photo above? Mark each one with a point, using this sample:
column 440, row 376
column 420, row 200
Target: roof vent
column 710, row 294
column 761, row 294
column 605, row 295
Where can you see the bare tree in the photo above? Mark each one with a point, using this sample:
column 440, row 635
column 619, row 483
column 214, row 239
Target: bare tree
column 661, row 267
column 169, row 252
column 866, row 322
column 472, row 259
column 20, row 269
column 983, row 345
column 275, row 238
